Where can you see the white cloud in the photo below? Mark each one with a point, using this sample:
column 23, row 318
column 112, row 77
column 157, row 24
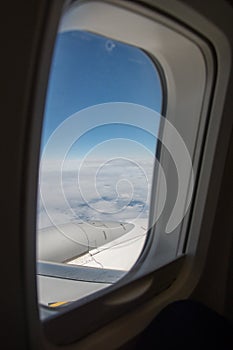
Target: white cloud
column 117, row 190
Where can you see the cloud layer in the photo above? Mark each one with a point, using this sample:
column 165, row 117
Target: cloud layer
column 111, row 190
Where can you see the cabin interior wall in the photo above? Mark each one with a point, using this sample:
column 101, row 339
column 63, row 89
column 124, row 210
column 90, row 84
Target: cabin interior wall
column 216, row 284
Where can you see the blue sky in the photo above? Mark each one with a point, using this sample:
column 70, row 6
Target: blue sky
column 88, row 69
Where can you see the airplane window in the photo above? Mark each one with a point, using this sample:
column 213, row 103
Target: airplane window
column 97, row 161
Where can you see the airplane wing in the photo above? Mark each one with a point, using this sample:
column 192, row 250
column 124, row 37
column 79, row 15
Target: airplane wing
column 77, row 259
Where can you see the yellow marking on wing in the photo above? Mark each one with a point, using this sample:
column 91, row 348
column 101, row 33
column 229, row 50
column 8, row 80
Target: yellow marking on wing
column 58, row 303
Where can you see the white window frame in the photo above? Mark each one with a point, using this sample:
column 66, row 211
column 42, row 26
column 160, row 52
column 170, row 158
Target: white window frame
column 156, row 35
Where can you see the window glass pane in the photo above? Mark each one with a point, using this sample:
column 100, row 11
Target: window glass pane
column 96, row 164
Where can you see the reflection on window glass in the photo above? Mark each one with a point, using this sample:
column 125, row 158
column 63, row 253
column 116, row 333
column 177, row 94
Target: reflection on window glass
column 97, row 161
